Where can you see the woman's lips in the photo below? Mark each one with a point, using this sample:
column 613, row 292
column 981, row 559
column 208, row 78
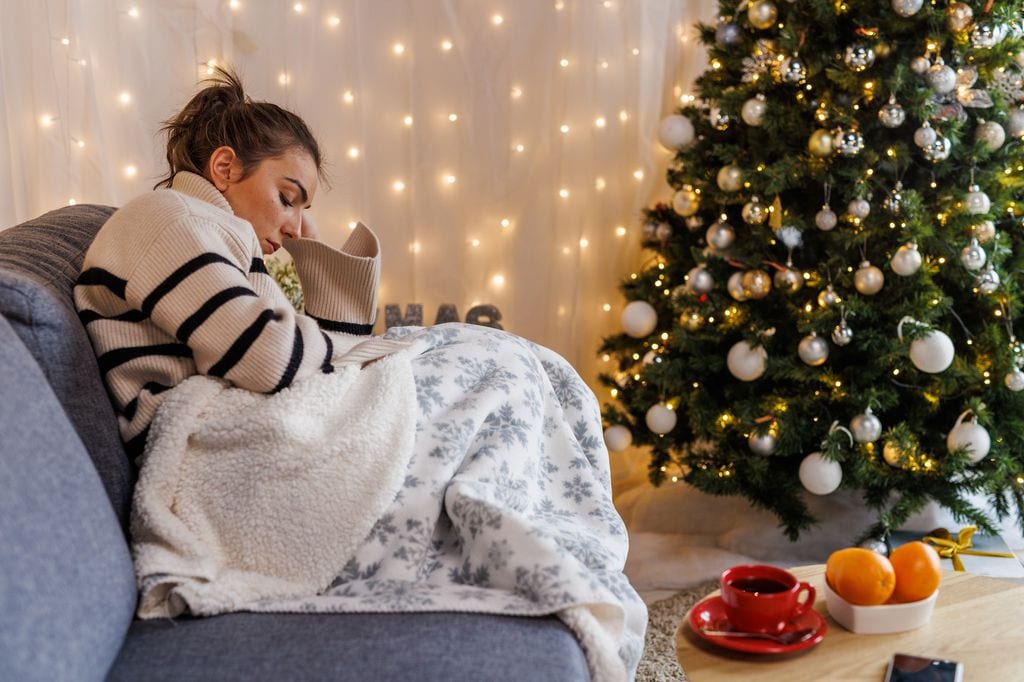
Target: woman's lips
column 274, row 246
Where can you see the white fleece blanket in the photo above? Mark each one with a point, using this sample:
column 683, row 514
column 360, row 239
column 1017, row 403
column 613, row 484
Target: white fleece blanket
column 504, row 507
column 245, row 496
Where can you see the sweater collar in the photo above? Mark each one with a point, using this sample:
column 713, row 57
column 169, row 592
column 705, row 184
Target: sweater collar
column 199, row 187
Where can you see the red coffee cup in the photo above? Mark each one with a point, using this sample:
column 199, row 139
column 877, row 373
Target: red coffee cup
column 761, row 598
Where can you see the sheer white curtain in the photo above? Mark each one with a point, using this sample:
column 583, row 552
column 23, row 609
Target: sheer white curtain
column 501, row 149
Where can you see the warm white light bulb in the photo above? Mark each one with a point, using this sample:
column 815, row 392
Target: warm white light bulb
column 564, row 128
column 623, row 115
column 407, row 121
column 398, row 185
column 584, row 242
column 78, row 143
column 353, row 224
column 124, row 98
column 564, row 193
column 603, row 64
column 415, row 247
column 334, row 21
column 600, row 184
column 453, row 117
column 72, row 201
column 446, row 45
column 235, row 4
column 506, row 223
column 566, row 251
column 498, row 280
column 284, row 78
column 130, row 171
column 349, row 97
column 607, row 307
column 353, row 152
column 46, row 120
column 608, row 4
column 65, row 41
column 620, row 231
column 599, row 122
column 398, row 48
column 560, row 5
column 474, row 242
column 82, row 62
column 516, row 92
column 519, row 148
column 449, row 179
column 133, row 12
column 563, row 62
column 299, row 8
column 636, row 51
column 638, row 174
column 497, row 20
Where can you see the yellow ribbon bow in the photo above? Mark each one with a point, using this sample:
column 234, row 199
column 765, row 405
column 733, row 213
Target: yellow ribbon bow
column 952, row 549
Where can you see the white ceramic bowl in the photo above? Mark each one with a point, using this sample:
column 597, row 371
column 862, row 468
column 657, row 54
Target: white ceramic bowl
column 876, row 620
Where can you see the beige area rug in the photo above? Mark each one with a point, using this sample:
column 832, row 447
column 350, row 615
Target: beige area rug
column 659, row 662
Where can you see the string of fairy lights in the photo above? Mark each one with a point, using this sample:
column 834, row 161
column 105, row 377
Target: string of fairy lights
column 623, row 179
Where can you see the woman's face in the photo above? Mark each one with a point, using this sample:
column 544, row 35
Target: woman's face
column 274, row 196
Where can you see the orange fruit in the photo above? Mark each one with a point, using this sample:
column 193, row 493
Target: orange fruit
column 918, row 571
column 860, row 576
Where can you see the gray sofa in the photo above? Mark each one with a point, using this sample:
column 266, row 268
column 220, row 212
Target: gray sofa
column 67, row 588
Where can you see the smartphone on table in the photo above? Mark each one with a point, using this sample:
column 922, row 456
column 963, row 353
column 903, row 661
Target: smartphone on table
column 907, row 668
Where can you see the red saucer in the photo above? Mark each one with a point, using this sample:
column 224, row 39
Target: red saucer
column 710, row 614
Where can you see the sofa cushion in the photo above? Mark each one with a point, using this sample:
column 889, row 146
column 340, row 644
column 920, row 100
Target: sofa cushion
column 67, row 588
column 427, row 647
column 39, row 262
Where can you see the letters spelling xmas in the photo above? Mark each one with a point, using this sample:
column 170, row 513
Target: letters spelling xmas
column 485, row 315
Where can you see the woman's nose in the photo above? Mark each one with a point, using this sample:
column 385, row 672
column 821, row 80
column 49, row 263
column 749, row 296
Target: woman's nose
column 292, row 228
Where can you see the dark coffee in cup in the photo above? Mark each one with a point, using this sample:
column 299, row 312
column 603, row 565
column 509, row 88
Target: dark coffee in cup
column 760, row 585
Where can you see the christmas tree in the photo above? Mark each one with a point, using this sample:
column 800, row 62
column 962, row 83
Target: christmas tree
column 833, row 295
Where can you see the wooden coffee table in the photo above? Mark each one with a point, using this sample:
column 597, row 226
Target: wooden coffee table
column 977, row 621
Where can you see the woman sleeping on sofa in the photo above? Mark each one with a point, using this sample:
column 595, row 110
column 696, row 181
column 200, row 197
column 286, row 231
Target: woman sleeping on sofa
column 466, row 464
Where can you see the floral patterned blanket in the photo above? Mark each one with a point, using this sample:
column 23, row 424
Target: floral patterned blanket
column 506, row 506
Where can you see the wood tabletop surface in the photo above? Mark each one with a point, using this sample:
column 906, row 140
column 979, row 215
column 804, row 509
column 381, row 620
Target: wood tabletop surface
column 977, row 621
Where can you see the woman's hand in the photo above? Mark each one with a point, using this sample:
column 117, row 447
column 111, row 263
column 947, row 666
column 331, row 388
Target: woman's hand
column 308, row 228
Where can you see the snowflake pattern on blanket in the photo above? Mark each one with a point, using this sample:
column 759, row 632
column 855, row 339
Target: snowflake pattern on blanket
column 507, row 504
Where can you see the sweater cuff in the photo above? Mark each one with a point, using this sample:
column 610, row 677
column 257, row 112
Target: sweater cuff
column 339, row 287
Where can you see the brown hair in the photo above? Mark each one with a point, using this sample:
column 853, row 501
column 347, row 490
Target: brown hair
column 221, row 114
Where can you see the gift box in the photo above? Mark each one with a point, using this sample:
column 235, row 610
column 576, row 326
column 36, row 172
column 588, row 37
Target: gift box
column 967, row 550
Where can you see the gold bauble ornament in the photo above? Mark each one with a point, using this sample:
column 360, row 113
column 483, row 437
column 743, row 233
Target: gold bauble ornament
column 820, row 143
column 756, row 284
column 959, row 16
column 763, row 13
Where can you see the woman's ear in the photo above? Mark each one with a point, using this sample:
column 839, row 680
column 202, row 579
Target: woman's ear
column 223, row 167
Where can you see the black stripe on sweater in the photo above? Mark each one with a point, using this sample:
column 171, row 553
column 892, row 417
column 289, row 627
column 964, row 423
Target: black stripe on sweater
column 101, row 277
column 293, row 363
column 119, row 356
column 242, row 344
column 137, row 445
column 344, row 327
column 153, row 387
column 209, row 308
column 86, row 316
column 179, row 275
column 258, row 266
column 327, row 367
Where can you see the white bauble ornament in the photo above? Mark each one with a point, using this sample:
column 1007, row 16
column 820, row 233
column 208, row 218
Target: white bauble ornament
column 762, row 443
column 941, row 78
column 932, row 353
column 745, row 362
column 907, row 8
column 959, row 16
column 617, row 437
column 821, row 143
column 699, row 280
column 868, row 279
column 987, row 280
column 825, row 219
column 973, row 255
column 920, row 65
column 892, row 454
column 971, row 436
column 866, row 427
column 753, row 110
column 1014, row 380
column 976, row 202
column 675, row 132
column 938, row 150
column 660, row 419
column 984, row 231
column 859, row 208
column 990, row 133
column 686, row 201
column 842, row 335
column 754, row 212
column 663, row 232
column 819, row 475
column 813, row 350
column 925, row 135
column 756, row 284
column 735, row 286
column 639, row 319
column 906, row 261
column 720, row 235
column 730, row 178
column 1015, row 123
column 762, row 13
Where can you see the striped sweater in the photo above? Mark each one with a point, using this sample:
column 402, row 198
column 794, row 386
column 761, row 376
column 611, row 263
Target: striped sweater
column 175, row 285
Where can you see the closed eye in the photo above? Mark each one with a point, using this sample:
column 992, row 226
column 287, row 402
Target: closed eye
column 284, row 200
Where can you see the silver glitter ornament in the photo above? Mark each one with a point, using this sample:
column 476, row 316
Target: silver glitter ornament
column 694, row 223
column 859, row 208
column 1015, row 123
column 649, row 230
column 938, row 150
column 720, row 235
column 925, row 135
column 735, row 286
column 753, row 110
column 972, row 256
column 959, row 16
column 686, row 202
column 792, row 70
column 717, row 119
column 877, row 545
column 756, row 284
column 762, row 14
column 762, row 443
column 941, row 78
column 859, row 57
column 754, row 212
column 828, row 297
column 893, row 201
column 730, row 178
column 842, row 335
column 977, row 202
column 920, row 65
column 825, row 219
column 984, row 231
column 906, row 261
column 987, row 280
column 892, row 115
column 847, row 142
column 663, row 232
column 699, row 280
column 990, row 133
column 907, row 8
column 985, row 35
column 1014, row 380
column 868, row 279
column 866, row 427
column 788, row 280
column 813, row 350
column 728, row 33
